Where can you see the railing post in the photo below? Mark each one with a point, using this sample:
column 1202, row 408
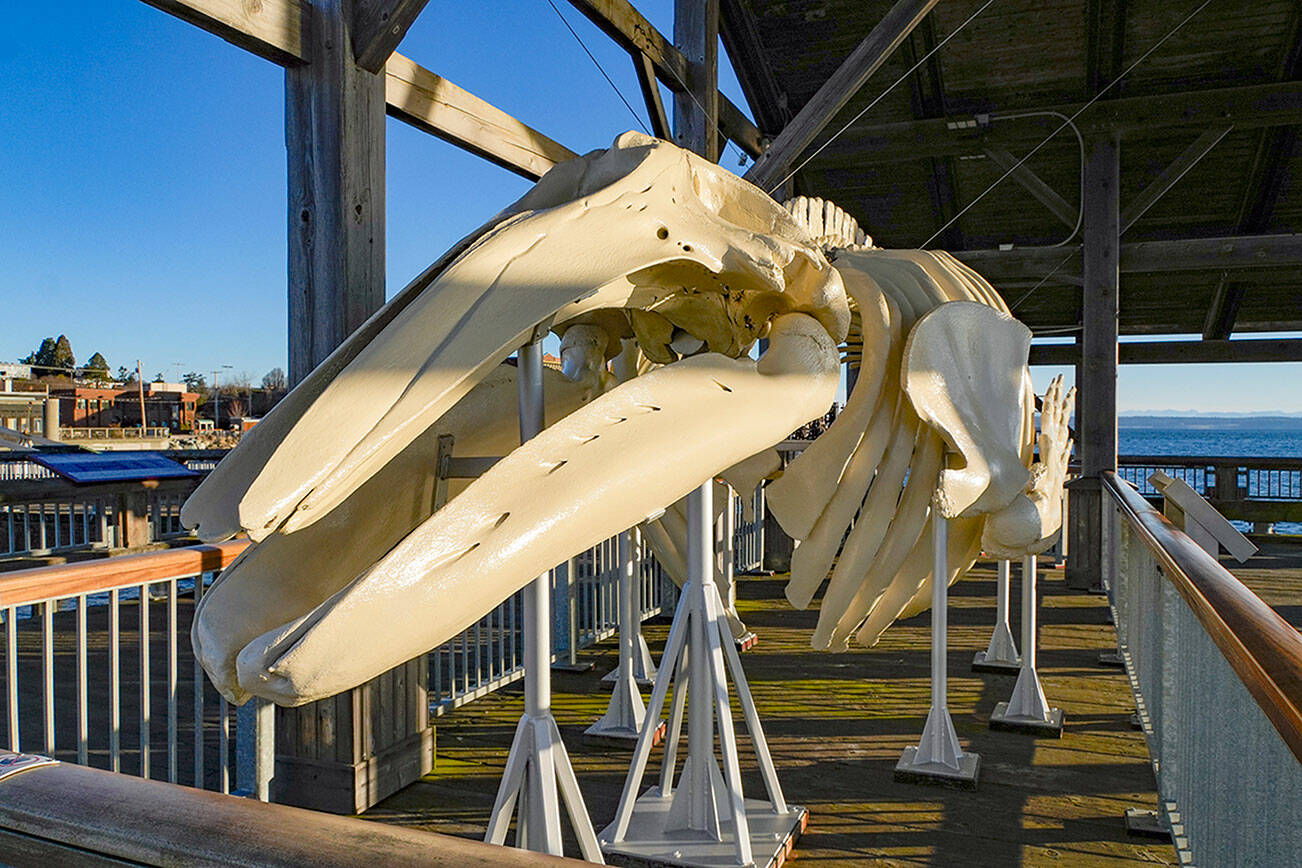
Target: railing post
column 255, row 749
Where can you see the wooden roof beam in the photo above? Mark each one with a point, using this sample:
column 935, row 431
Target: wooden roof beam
column 1171, row 175
column 1032, row 183
column 271, row 29
column 630, row 30
column 768, row 102
column 655, row 106
column 927, row 87
column 1223, row 311
column 1250, row 107
column 276, row 30
column 839, row 89
column 1179, row 352
column 432, row 103
column 1266, row 178
column 378, row 27
column 1105, row 40
column 1190, row 254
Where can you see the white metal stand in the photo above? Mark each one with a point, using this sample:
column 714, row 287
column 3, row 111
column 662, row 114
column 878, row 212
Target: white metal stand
column 630, row 621
column 538, row 763
column 937, row 758
column 1001, row 654
column 728, row 571
column 705, row 819
column 625, row 715
column 1028, row 711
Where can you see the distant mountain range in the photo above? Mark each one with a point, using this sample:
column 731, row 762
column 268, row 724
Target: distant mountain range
column 1192, row 420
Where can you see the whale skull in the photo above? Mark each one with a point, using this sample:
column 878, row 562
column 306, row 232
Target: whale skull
column 659, row 271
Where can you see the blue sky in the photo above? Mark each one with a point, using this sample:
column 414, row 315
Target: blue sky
column 142, row 182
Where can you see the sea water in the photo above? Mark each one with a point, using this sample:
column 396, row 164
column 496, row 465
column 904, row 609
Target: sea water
column 1210, row 443
column 1214, row 442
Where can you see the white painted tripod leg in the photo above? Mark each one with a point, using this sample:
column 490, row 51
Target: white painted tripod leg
column 670, row 760
column 718, row 634
column 1028, row 697
column 687, row 822
column 695, row 799
column 637, row 768
column 512, row 783
column 644, row 668
column 537, row 756
column 625, row 713
column 767, row 770
column 1002, row 650
column 938, row 754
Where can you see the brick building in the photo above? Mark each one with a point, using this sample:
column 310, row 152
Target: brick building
column 167, row 405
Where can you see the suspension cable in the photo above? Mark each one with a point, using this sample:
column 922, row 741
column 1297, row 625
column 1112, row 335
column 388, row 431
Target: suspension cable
column 894, row 84
column 600, row 68
column 1073, row 117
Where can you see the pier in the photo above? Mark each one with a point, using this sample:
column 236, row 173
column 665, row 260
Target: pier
column 1118, row 182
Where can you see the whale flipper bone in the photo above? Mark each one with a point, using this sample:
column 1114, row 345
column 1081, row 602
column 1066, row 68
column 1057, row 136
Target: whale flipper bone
column 963, row 372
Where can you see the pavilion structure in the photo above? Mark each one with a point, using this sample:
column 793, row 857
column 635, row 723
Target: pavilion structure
column 1114, row 167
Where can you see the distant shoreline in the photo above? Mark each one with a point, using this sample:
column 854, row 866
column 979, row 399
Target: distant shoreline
column 1212, row 423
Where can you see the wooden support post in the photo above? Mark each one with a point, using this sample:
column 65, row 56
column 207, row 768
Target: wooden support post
column 347, row 752
column 133, row 519
column 1097, row 383
column 334, row 135
column 696, row 112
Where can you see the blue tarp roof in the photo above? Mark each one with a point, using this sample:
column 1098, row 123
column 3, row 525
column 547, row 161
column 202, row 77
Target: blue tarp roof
column 111, row 466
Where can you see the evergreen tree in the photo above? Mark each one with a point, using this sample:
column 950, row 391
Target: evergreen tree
column 63, row 357
column 97, row 368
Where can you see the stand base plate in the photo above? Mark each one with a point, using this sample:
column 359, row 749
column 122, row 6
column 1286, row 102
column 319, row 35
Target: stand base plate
column 1002, row 720
column 648, row 845
column 1112, row 658
column 747, row 642
column 1146, row 823
column 576, row 666
column 999, row 667
column 621, row 738
column 963, row 778
column 608, row 680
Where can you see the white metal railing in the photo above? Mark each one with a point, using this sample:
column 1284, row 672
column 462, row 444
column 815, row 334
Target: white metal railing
column 114, row 433
column 98, row 667
column 123, row 692
column 81, row 522
column 748, row 536
column 488, row 655
column 1215, row 677
column 45, row 526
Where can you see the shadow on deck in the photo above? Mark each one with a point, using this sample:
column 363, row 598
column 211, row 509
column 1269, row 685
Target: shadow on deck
column 837, row 723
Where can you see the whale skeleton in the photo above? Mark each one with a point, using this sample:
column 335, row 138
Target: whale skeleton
column 659, row 271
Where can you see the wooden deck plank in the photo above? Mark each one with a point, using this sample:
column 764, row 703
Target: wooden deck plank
column 837, row 723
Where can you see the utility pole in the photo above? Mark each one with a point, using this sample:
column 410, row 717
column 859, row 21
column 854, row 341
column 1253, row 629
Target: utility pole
column 217, row 401
column 140, row 385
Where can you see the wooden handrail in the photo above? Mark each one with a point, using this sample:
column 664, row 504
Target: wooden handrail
column 1262, row 648
column 23, row 587
column 67, row 814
